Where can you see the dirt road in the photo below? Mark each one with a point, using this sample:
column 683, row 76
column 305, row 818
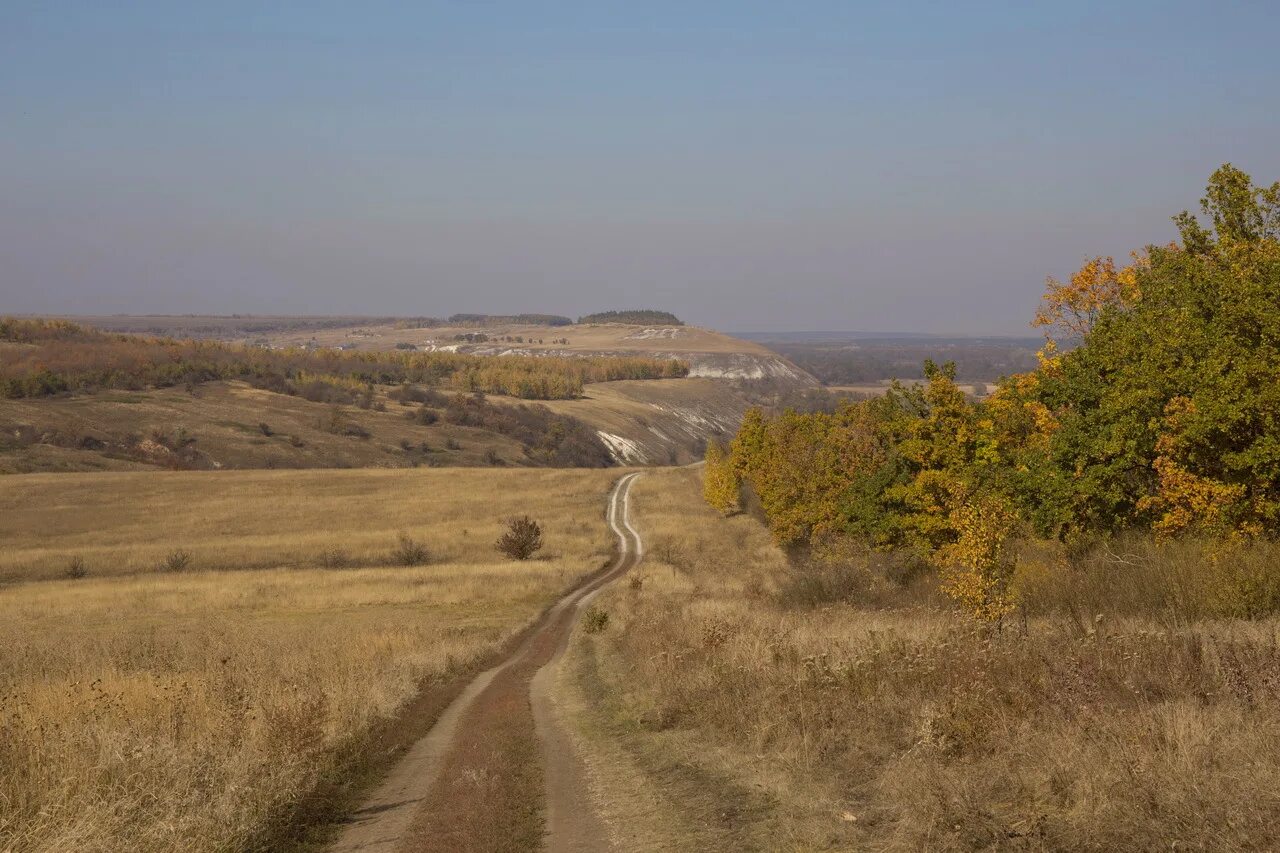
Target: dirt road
column 497, row 770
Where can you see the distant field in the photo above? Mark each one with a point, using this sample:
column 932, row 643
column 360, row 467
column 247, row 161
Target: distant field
column 204, row 710
column 609, row 337
column 383, row 333
column 875, row 389
column 863, row 362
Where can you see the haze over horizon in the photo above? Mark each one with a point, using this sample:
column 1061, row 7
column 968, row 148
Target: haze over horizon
column 748, row 166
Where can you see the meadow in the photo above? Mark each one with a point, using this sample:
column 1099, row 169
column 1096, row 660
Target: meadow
column 230, row 703
column 739, row 700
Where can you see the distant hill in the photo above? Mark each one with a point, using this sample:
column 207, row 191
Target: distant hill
column 634, row 318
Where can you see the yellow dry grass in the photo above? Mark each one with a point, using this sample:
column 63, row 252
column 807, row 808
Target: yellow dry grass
column 200, row 710
column 749, row 717
column 124, row 522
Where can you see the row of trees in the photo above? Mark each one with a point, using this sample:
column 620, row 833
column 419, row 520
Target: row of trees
column 643, row 317
column 54, row 356
column 1165, row 417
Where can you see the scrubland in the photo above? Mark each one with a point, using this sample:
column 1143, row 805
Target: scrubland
column 226, row 705
column 735, row 701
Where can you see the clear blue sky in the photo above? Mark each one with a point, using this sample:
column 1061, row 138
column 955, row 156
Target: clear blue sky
column 819, row 165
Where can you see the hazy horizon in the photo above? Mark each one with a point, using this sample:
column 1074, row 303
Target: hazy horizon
column 746, row 166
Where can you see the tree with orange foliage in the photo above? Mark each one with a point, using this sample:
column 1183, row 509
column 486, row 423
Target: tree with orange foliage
column 1073, row 307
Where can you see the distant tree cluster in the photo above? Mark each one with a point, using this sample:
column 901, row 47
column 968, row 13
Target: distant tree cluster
column 60, row 357
column 1163, row 419
column 510, row 320
column 634, row 318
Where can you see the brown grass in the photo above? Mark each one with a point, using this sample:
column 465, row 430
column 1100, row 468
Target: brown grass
column 883, row 720
column 202, row 710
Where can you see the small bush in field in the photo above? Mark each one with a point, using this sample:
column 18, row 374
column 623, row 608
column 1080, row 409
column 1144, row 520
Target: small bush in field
column 176, row 561
column 265, row 429
column 334, row 558
column 409, row 551
column 522, row 539
column 595, row 620
column 76, row 569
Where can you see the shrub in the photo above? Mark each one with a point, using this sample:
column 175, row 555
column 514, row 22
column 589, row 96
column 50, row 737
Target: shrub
column 76, row 569
column 338, row 423
column 334, row 558
column 409, row 552
column 265, row 429
column 595, row 620
column 522, row 539
column 176, row 560
column 721, row 484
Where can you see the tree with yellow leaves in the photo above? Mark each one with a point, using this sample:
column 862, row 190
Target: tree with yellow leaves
column 1074, row 306
column 721, row 485
column 977, row 569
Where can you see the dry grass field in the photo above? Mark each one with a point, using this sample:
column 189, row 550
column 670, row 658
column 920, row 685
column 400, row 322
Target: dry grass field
column 207, row 710
column 734, row 703
column 589, row 338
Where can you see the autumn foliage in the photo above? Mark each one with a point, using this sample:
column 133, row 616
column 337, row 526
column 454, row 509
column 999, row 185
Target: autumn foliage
column 721, row 485
column 1163, row 417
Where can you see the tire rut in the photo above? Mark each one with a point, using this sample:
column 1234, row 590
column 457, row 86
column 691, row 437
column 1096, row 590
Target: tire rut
column 497, row 771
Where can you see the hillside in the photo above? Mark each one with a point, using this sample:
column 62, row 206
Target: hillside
column 296, row 393
column 709, row 353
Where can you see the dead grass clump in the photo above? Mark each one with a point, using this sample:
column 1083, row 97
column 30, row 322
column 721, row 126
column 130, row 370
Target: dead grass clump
column 595, row 620
column 76, row 569
column 177, row 560
column 1176, row 582
column 409, row 552
column 334, row 558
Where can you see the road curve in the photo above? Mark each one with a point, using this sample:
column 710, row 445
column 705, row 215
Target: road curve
column 472, row 783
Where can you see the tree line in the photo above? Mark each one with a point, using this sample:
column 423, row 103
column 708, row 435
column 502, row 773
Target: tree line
column 1164, row 419
column 634, row 318
column 47, row 357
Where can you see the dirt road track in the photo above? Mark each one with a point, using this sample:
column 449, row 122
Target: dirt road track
column 497, row 770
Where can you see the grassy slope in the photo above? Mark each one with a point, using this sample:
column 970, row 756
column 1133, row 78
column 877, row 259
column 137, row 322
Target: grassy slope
column 724, row 715
column 667, row 418
column 224, row 419
column 199, row 711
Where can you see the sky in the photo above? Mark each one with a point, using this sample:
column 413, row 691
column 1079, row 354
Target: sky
column 903, row 166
